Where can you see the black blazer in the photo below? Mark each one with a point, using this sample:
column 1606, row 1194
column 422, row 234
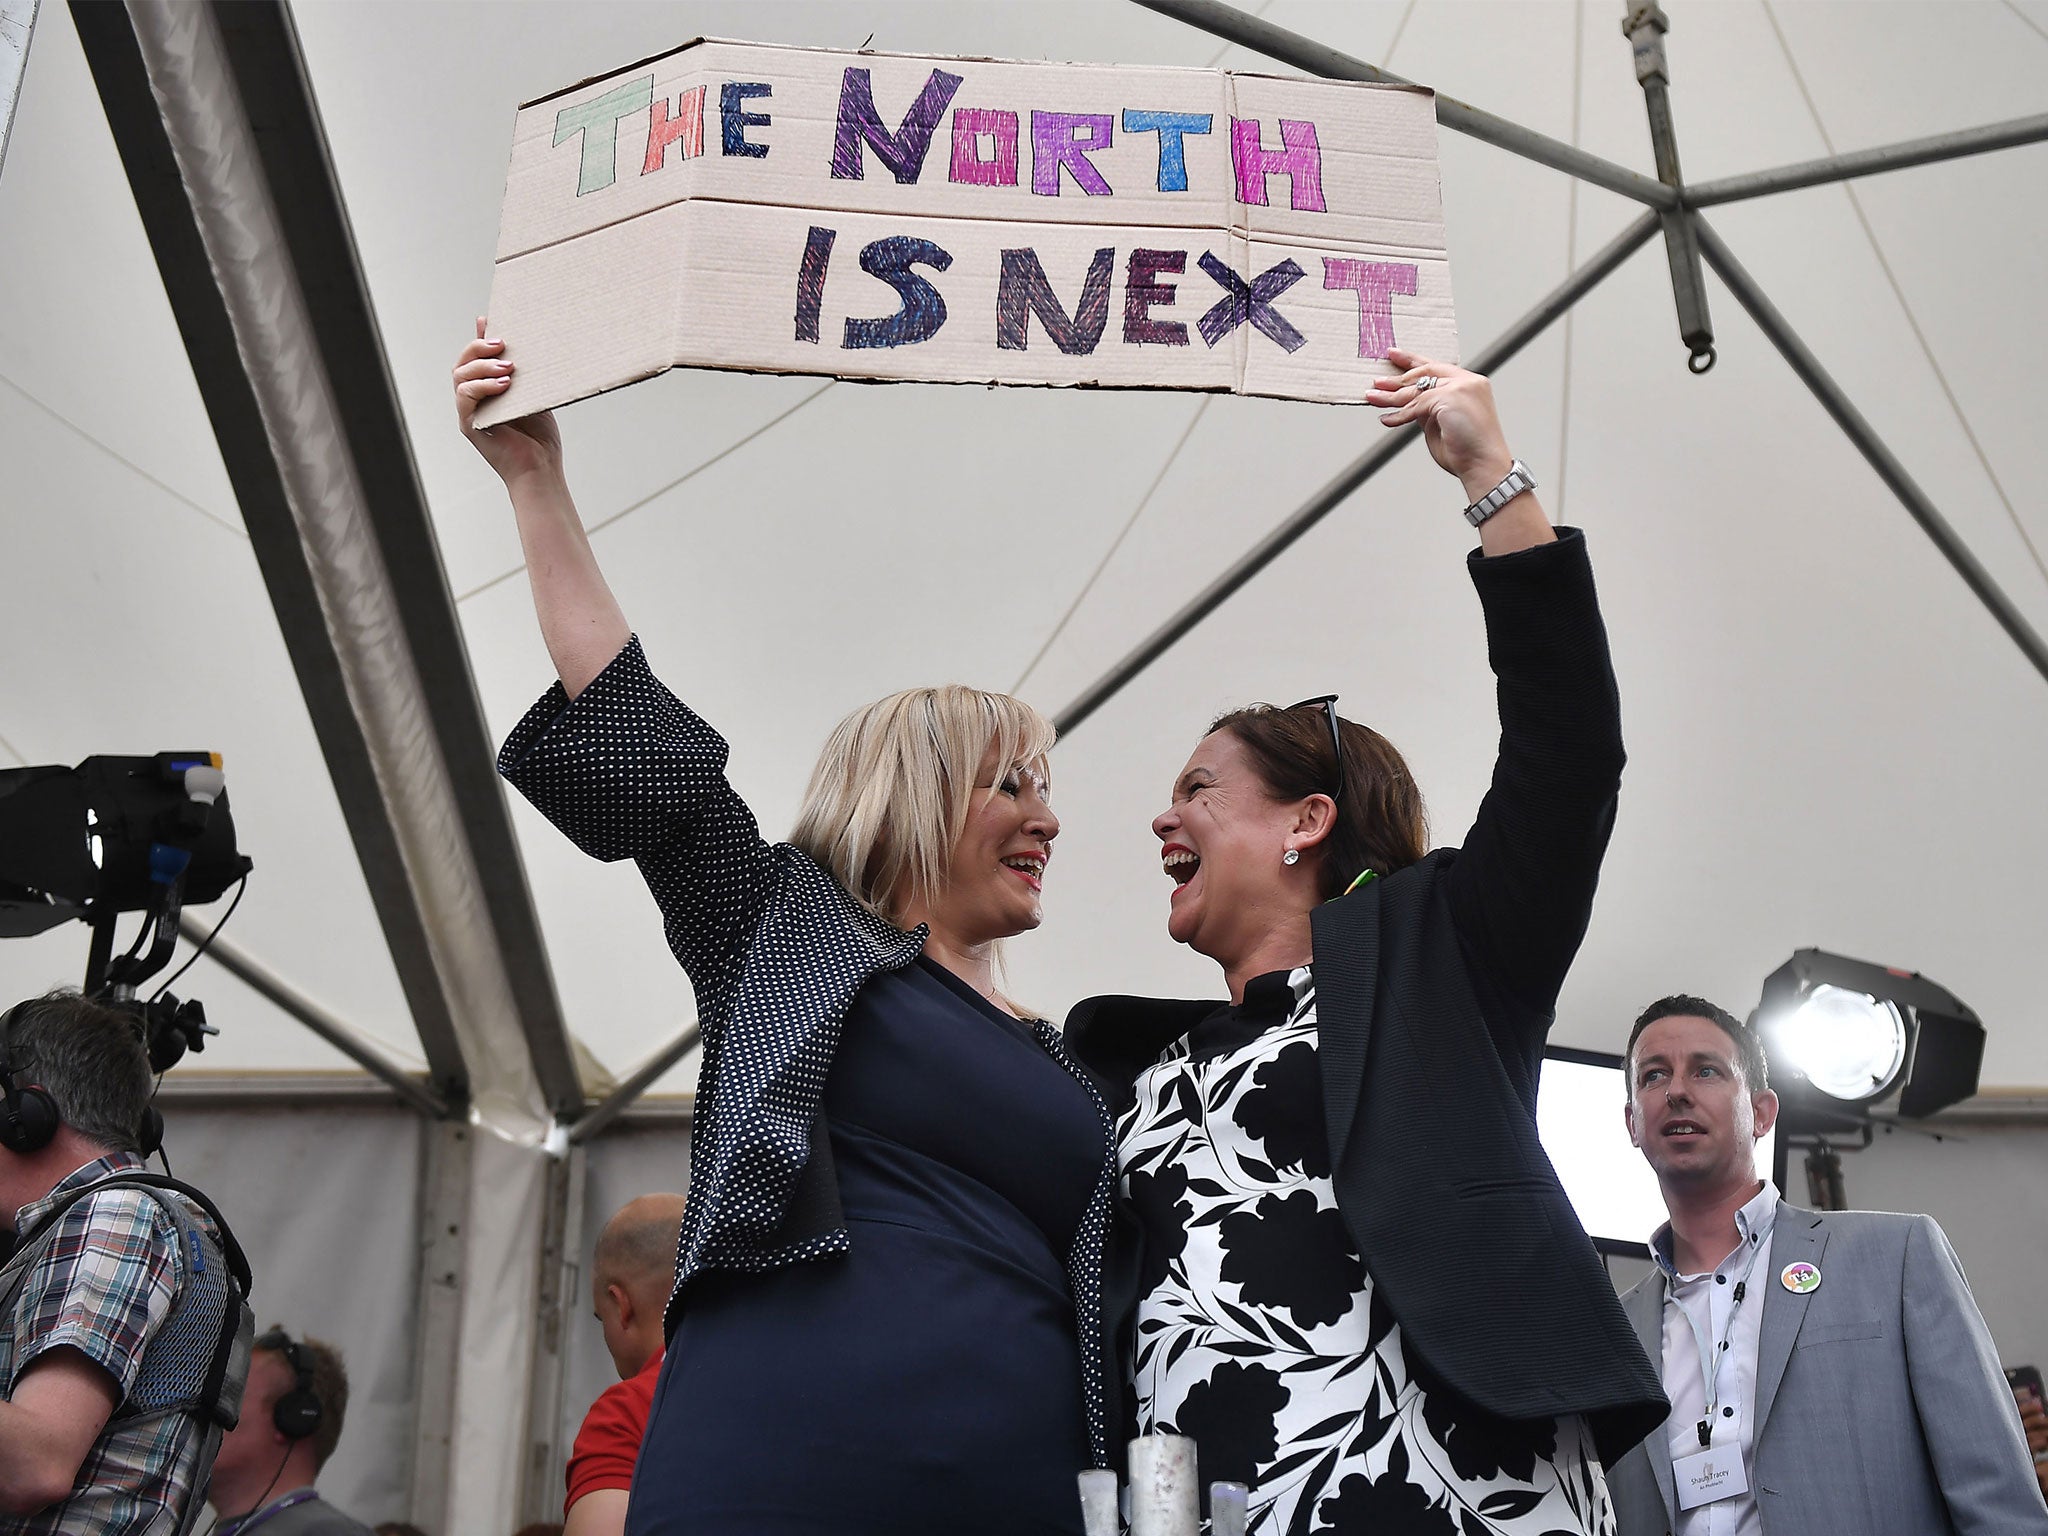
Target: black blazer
column 1435, row 990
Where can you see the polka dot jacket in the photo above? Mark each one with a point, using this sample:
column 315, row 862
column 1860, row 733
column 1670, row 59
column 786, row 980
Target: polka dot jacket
column 775, row 949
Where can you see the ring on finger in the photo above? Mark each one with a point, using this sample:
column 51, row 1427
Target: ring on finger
column 1427, row 381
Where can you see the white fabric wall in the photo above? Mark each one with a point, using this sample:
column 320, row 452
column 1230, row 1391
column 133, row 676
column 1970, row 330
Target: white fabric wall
column 326, row 1203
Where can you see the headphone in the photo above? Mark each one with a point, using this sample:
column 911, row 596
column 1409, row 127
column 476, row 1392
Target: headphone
column 297, row 1413
column 28, row 1116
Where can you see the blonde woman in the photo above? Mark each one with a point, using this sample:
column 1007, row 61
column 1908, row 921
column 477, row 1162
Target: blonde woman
column 886, row 1309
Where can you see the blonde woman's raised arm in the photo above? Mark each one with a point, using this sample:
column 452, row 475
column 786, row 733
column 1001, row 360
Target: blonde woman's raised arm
column 580, row 620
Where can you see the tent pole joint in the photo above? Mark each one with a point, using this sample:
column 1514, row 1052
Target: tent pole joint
column 1644, row 25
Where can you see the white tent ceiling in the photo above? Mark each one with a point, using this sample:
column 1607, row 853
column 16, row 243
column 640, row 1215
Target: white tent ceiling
column 1831, row 742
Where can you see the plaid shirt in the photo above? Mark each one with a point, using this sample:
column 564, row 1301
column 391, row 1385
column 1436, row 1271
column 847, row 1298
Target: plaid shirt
column 104, row 1287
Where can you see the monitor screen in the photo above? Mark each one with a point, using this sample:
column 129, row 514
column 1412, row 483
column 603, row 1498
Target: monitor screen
column 1578, row 1116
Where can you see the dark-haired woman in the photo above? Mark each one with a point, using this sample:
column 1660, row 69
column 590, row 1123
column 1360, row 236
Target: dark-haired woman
column 1345, row 1267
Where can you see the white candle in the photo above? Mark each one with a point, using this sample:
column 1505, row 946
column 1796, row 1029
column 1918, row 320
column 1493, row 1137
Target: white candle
column 1098, row 1502
column 1164, row 1496
column 1228, row 1509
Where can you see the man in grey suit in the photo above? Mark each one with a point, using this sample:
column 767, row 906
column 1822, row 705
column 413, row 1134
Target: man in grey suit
column 1829, row 1374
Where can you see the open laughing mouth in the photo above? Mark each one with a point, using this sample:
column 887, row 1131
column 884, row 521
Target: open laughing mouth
column 1029, row 867
column 1682, row 1130
column 1180, row 863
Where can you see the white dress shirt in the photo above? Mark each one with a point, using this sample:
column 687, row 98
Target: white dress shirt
column 1704, row 1308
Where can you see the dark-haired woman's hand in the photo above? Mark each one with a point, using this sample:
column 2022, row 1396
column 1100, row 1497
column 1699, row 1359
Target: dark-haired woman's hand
column 1464, row 434
column 1458, row 418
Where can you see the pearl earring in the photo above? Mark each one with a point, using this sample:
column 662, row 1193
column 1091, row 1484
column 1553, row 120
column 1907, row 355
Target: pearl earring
column 1291, row 856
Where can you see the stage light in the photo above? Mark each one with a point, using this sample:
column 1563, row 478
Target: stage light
column 1853, row 1032
column 1849, row 1045
column 1843, row 1036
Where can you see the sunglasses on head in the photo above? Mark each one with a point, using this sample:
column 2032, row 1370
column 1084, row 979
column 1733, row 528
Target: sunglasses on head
column 1328, row 702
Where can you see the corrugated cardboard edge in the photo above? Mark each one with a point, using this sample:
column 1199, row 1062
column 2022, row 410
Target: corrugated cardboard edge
column 961, row 58
column 487, row 417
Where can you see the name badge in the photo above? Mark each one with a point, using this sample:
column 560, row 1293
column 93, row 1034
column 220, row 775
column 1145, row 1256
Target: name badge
column 1702, row 1478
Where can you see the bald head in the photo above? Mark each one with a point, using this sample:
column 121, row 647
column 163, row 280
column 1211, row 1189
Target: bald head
column 630, row 1275
column 638, row 1245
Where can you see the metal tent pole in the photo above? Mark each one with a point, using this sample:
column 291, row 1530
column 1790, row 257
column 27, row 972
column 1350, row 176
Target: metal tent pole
column 216, row 126
column 1881, row 458
column 562, row 1302
column 445, row 1178
column 1645, row 25
column 1349, row 479
column 1866, row 162
column 1305, row 53
column 642, row 1078
column 336, row 1031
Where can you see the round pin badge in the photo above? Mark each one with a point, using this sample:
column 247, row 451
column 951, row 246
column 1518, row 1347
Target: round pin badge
column 1800, row 1278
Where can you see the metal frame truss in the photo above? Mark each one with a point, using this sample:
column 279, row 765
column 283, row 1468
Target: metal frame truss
column 1673, row 208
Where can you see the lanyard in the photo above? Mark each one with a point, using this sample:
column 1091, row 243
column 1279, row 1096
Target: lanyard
column 1711, row 1350
column 249, row 1522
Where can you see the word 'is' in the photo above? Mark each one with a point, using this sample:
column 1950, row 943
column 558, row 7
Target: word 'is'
column 1023, row 291
column 985, row 140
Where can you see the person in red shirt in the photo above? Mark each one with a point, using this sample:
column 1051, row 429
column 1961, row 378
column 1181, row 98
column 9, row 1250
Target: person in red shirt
column 630, row 1274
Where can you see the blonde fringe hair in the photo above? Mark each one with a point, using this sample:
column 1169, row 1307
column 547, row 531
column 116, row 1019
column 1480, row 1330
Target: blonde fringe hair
column 893, row 788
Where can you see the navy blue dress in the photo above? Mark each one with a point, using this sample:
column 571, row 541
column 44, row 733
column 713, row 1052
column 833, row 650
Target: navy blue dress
column 927, row 1380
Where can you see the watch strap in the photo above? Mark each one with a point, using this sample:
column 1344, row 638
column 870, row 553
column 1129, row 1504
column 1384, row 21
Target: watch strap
column 1518, row 480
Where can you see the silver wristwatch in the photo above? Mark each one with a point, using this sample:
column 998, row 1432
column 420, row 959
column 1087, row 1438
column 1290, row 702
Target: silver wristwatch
column 1518, row 480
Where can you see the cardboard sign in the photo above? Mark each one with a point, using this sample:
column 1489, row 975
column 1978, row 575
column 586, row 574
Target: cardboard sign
column 887, row 216
column 17, row 26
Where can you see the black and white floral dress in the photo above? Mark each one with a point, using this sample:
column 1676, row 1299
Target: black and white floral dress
column 1258, row 1330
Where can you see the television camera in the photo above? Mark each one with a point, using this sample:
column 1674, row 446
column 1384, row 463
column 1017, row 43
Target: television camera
column 116, row 835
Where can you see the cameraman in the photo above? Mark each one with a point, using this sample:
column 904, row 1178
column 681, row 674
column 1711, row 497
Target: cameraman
column 123, row 1348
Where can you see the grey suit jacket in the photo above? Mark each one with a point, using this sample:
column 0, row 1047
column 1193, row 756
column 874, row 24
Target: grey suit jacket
column 1881, row 1409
